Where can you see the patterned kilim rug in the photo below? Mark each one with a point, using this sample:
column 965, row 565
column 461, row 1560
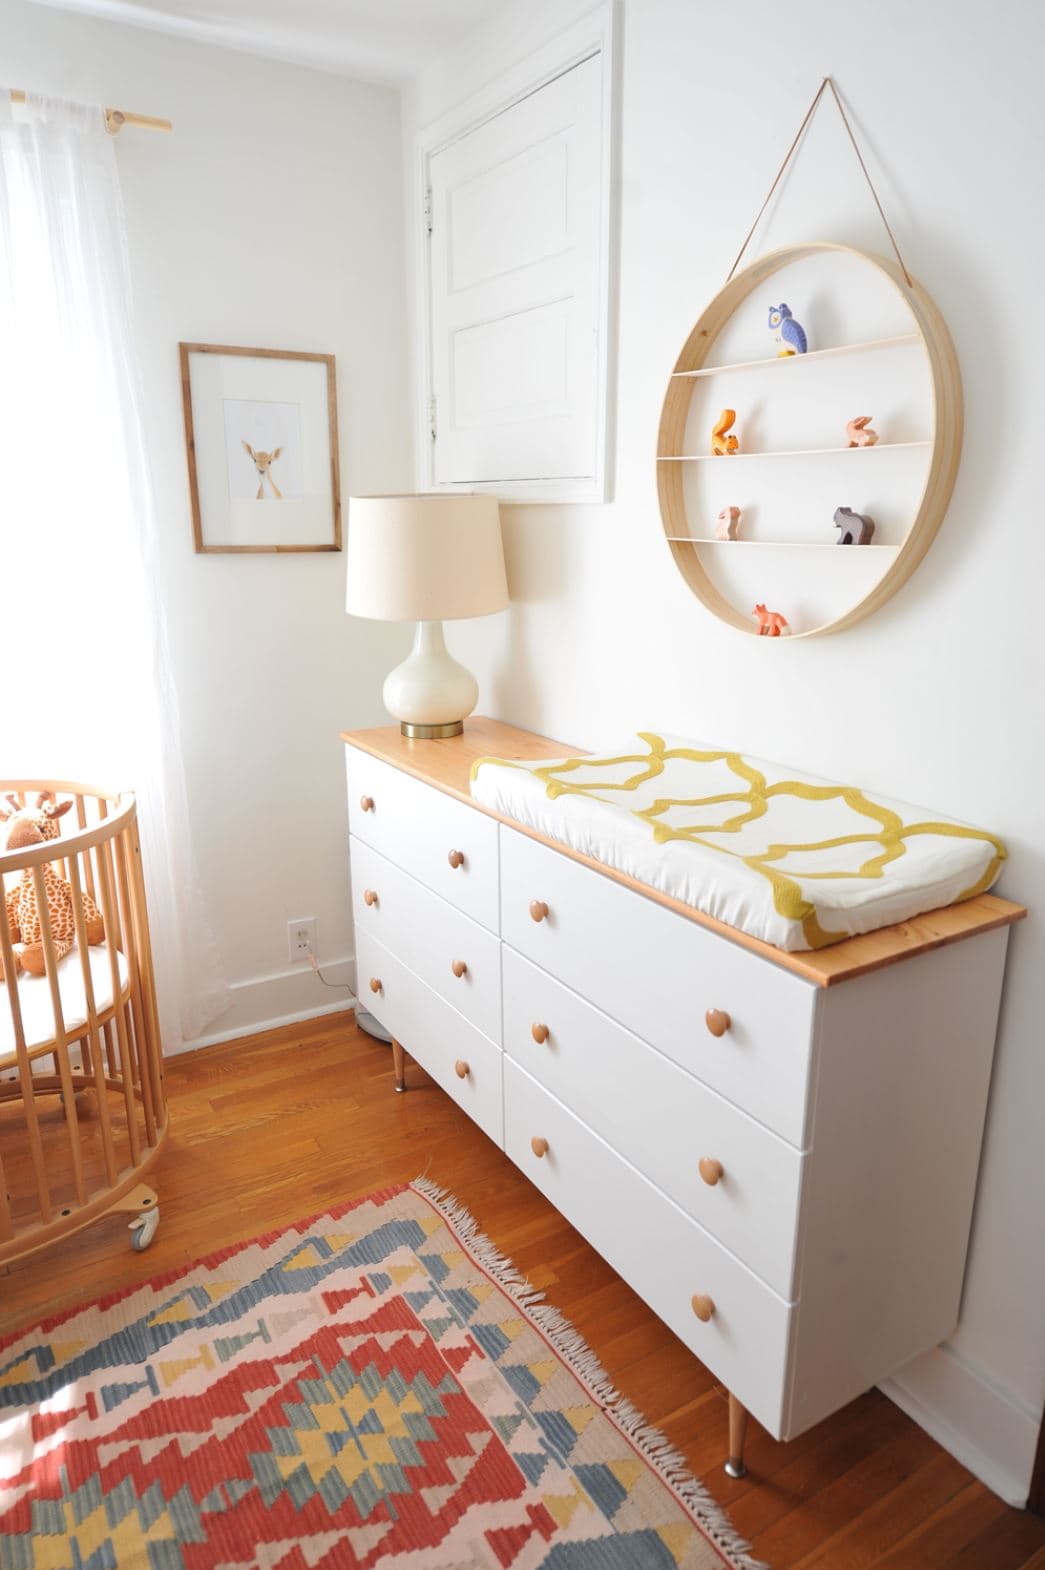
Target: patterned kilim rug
column 376, row 1387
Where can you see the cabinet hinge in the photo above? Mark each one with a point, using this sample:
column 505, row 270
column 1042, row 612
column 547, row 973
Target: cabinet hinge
column 428, row 210
column 431, row 417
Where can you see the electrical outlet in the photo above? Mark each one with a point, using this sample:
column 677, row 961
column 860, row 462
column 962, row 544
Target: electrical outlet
column 301, row 937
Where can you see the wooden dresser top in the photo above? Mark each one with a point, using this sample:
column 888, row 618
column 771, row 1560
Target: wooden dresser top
column 447, row 765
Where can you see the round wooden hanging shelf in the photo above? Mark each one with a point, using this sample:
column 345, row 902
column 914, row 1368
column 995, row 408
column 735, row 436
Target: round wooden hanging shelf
column 898, row 562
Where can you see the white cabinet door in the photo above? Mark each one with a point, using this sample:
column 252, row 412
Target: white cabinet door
column 516, row 208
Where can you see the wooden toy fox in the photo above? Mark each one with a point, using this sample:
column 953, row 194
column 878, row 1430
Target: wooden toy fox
column 771, row 624
column 721, row 444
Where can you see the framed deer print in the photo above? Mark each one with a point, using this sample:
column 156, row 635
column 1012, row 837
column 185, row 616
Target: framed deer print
column 262, row 447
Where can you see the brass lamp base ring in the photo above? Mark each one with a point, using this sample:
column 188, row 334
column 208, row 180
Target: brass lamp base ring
column 431, row 732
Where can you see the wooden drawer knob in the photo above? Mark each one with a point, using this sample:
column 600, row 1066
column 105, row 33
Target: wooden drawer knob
column 369, row 896
column 456, row 859
column 461, row 1069
column 703, row 1307
column 710, row 1170
column 539, row 1146
column 717, row 1021
column 367, row 803
column 375, row 985
column 459, row 968
column 538, row 909
column 540, row 1034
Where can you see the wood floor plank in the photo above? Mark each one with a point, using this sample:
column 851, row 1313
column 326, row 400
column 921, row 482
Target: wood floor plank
column 270, row 1129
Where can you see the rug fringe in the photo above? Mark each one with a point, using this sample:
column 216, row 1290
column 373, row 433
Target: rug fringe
column 662, row 1455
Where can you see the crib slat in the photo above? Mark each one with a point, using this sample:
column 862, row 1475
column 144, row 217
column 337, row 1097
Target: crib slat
column 92, row 1042
column 108, row 903
column 25, row 1074
column 132, row 953
column 148, row 975
column 81, row 818
column 61, row 1041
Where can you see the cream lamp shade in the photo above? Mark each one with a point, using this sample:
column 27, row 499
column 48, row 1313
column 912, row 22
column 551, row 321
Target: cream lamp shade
column 429, row 559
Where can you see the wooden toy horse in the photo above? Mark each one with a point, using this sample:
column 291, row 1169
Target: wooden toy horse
column 771, row 624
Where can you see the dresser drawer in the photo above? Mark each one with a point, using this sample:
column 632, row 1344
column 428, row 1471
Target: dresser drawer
column 450, row 847
column 667, row 1124
column 454, row 956
column 434, row 1034
column 659, row 974
column 660, row 1252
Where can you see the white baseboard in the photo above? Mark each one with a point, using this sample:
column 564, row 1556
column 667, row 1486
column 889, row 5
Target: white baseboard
column 982, row 1426
column 285, row 998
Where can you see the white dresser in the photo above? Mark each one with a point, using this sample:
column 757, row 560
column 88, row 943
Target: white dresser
column 777, row 1151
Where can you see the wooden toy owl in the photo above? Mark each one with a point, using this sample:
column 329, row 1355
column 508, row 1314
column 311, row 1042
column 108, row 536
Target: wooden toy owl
column 786, row 331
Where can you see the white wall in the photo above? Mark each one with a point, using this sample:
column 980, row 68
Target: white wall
column 938, row 698
column 271, row 217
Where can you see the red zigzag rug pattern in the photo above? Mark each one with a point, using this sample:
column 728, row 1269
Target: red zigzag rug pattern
column 374, row 1387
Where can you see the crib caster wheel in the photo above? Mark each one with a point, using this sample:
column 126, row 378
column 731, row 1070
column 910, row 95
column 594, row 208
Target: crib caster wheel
column 143, row 1207
column 143, row 1230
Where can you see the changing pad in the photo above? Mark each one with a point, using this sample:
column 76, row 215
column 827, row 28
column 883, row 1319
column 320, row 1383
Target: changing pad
column 785, row 857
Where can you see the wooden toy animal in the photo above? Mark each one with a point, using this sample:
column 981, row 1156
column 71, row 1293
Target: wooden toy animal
column 771, row 624
column 859, row 433
column 856, row 529
column 23, row 913
column 786, row 331
column 727, row 523
column 263, row 462
column 721, row 444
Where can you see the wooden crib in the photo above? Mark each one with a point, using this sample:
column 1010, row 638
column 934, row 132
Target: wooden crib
column 82, row 1108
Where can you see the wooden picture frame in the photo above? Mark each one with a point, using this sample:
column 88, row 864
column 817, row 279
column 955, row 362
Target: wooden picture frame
column 287, row 399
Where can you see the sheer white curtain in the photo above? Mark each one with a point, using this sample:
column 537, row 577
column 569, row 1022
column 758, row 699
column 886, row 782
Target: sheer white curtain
column 86, row 691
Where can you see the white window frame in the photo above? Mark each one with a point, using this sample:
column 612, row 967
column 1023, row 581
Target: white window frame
column 591, row 35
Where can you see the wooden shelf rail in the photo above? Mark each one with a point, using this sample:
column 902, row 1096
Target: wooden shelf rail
column 792, row 452
column 780, row 545
column 812, row 354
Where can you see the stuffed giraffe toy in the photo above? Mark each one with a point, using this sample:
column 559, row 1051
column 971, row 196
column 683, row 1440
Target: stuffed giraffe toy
column 28, row 826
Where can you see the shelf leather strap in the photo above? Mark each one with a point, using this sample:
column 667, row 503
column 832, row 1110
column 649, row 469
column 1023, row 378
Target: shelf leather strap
column 827, row 82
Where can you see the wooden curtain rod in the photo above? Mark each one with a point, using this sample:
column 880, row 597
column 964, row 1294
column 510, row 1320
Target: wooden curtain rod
column 115, row 119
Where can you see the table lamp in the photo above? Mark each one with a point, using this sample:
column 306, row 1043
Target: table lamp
column 429, row 559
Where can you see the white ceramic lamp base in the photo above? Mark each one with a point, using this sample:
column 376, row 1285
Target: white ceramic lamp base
column 430, row 694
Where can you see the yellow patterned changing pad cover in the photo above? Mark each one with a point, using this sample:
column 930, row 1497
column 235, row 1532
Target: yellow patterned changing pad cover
column 786, row 857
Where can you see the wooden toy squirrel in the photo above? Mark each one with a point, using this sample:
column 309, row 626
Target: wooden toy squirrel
column 721, row 444
column 786, row 331
column 855, row 528
column 771, row 624
column 35, row 826
column 727, row 524
column 858, row 432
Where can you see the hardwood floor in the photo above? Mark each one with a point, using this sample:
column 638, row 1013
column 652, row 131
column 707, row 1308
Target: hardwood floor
column 269, row 1129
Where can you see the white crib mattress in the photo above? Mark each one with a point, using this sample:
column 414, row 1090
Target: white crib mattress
column 34, row 995
column 786, row 857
